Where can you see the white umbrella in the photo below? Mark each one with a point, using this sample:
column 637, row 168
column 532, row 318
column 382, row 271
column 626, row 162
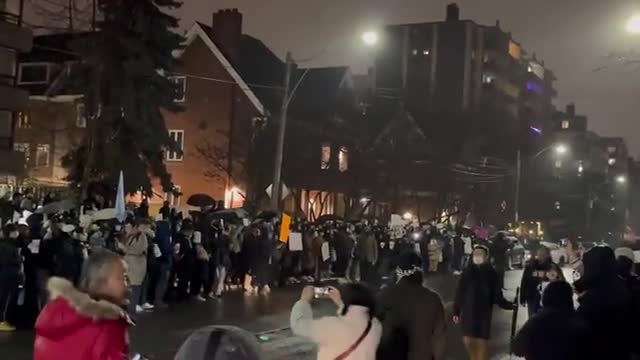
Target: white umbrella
column 104, row 214
column 120, row 209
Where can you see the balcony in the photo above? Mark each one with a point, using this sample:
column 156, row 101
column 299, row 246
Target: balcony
column 14, row 36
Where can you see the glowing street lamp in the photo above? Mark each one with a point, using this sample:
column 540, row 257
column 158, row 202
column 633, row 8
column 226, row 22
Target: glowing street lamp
column 407, row 216
column 621, row 179
column 370, row 38
column 633, row 25
column 561, row 149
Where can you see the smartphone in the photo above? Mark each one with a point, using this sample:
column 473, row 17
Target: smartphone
column 321, row 291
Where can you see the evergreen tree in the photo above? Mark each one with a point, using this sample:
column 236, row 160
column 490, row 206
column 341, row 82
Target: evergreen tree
column 127, row 62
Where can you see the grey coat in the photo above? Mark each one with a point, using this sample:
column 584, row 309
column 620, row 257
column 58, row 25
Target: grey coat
column 135, row 254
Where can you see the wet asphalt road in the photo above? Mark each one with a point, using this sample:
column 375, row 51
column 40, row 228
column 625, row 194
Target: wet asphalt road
column 160, row 333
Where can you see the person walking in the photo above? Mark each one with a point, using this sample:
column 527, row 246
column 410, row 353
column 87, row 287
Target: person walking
column 606, row 307
column 534, row 274
column 499, row 249
column 135, row 248
column 10, row 273
column 555, row 332
column 478, row 291
column 354, row 334
column 86, row 323
column 368, row 251
column 412, row 316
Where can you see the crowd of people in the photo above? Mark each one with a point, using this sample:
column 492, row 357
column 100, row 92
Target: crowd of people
column 75, row 262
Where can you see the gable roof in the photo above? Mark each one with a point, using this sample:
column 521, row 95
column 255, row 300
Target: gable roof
column 318, row 91
column 197, row 31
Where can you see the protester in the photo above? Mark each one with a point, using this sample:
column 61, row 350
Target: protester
column 368, row 252
column 412, row 316
column 185, row 260
column 10, row 272
column 605, row 306
column 499, row 249
column 478, row 291
column 555, row 332
column 353, row 334
column 86, row 323
column 534, row 274
column 135, row 247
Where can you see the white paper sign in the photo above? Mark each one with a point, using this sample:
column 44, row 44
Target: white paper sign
column 392, row 244
column 295, row 241
column 34, row 246
column 326, row 254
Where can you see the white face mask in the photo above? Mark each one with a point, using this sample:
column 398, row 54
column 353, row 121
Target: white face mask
column 478, row 259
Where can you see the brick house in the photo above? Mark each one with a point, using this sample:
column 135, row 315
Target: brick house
column 218, row 119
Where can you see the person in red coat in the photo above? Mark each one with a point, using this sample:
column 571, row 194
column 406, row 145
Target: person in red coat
column 88, row 322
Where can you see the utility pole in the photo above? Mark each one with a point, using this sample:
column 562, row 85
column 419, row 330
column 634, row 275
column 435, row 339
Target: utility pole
column 516, row 198
column 282, row 127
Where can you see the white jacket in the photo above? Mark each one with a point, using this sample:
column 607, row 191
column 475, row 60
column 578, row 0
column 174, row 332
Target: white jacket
column 335, row 334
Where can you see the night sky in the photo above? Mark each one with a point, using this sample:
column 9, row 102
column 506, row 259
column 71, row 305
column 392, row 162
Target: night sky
column 573, row 37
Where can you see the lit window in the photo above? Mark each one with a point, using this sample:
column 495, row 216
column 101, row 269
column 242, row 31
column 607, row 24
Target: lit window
column 425, row 52
column 23, row 120
column 565, row 124
column 180, row 83
column 23, row 148
column 343, row 159
column 33, row 73
column 42, row 155
column 487, row 79
column 178, row 138
column 558, row 164
column 325, row 156
column 414, row 52
column 81, row 116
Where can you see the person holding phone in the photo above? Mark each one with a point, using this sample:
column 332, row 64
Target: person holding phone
column 354, row 334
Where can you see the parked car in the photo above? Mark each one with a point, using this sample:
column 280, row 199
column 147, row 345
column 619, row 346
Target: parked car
column 517, row 254
column 558, row 253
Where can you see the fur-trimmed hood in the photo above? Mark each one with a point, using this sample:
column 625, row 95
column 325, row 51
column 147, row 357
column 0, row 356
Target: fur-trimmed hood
column 70, row 310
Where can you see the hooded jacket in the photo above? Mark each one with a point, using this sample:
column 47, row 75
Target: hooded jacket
column 73, row 326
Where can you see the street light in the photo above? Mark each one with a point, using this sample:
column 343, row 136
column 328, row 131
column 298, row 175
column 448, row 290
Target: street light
column 633, row 24
column 561, row 149
column 621, row 179
column 370, row 38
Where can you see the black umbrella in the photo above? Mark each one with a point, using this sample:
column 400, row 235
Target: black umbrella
column 201, row 200
column 229, row 215
column 326, row 218
column 267, row 215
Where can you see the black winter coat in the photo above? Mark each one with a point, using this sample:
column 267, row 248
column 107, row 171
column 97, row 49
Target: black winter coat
column 413, row 322
column 478, row 291
column 606, row 308
column 550, row 335
column 10, row 260
column 534, row 273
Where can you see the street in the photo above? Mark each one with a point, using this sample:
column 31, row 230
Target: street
column 159, row 334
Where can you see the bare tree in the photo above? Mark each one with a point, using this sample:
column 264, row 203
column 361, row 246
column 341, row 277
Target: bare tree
column 225, row 162
column 71, row 15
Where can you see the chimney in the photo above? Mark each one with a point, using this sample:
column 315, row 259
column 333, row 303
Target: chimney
column 227, row 32
column 453, row 12
column 571, row 109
